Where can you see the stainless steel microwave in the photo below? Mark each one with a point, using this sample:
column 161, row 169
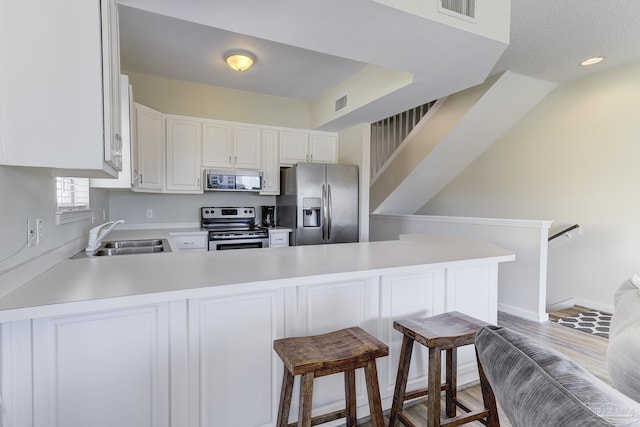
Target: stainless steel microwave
column 232, row 180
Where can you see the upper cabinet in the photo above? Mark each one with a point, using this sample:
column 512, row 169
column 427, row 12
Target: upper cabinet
column 184, row 148
column 226, row 145
column 303, row 146
column 149, row 148
column 59, row 71
column 126, row 111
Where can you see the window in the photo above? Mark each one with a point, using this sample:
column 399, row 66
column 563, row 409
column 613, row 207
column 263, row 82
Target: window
column 72, row 197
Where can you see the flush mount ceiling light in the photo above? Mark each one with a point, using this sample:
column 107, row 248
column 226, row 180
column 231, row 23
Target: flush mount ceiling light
column 591, row 61
column 240, row 61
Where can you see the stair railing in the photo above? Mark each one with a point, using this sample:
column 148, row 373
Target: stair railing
column 388, row 134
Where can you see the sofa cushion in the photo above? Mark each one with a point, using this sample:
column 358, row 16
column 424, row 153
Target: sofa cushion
column 623, row 352
column 537, row 386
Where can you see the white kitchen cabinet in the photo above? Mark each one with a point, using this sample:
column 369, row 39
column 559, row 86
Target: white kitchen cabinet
column 149, row 145
column 126, row 111
column 60, row 86
column 270, row 163
column 227, row 145
column 247, row 148
column 408, row 296
column 279, row 238
column 326, row 307
column 232, row 362
column 323, row 148
column 217, row 145
column 301, row 146
column 102, row 369
column 190, row 241
column 294, row 147
column 183, row 149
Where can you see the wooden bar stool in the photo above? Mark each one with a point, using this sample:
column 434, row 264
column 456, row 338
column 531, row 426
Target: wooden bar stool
column 444, row 332
column 316, row 356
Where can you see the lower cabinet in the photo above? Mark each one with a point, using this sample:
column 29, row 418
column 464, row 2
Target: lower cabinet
column 209, row 361
column 102, row 370
column 234, row 373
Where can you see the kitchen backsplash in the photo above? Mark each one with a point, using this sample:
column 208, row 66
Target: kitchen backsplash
column 176, row 208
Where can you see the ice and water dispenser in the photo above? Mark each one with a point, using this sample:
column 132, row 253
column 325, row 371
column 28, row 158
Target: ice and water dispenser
column 311, row 211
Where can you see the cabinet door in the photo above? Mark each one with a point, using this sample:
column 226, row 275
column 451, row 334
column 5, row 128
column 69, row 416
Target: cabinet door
column 270, row 163
column 408, row 296
column 102, row 369
column 184, row 148
column 232, row 361
column 52, row 86
column 111, row 84
column 293, row 147
column 327, row 307
column 217, row 145
column 150, row 146
column 323, row 148
column 127, row 109
column 247, row 148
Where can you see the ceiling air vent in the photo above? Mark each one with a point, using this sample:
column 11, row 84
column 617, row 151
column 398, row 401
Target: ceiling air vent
column 465, row 9
column 341, row 103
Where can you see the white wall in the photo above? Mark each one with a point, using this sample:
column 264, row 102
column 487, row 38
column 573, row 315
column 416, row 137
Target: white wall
column 29, row 193
column 180, row 209
column 192, row 99
column 573, row 159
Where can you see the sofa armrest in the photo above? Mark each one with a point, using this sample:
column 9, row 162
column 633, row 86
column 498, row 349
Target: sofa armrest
column 537, row 386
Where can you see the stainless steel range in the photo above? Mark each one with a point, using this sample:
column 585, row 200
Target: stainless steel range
column 233, row 228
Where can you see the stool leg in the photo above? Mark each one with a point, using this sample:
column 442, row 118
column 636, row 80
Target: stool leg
column 285, row 399
column 306, row 400
column 401, row 379
column 452, row 381
column 434, row 383
column 488, row 397
column 350, row 397
column 373, row 392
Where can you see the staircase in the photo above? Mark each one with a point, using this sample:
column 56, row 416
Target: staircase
column 387, row 134
column 452, row 133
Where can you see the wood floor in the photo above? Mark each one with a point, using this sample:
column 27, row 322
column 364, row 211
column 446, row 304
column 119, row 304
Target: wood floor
column 587, row 350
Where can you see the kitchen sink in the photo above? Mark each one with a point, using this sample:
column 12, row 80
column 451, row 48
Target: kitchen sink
column 127, row 247
column 123, row 244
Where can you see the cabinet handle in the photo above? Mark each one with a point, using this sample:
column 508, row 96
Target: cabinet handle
column 311, row 157
column 229, row 159
column 140, row 178
column 235, row 159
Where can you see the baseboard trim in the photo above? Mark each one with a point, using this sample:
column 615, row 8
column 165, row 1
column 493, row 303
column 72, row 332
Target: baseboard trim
column 529, row 315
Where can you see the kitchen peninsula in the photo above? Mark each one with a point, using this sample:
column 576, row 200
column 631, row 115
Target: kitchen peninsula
column 185, row 339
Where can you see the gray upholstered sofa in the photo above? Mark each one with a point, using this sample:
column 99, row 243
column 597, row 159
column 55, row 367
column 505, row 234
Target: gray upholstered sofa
column 539, row 387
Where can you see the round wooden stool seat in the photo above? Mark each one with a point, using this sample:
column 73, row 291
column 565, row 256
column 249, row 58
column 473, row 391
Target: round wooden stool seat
column 444, row 332
column 315, row 356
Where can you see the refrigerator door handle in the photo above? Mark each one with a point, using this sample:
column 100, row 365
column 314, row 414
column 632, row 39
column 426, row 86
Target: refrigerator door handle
column 323, row 207
column 329, row 206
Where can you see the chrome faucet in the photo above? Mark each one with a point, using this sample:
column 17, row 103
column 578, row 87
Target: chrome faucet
column 97, row 234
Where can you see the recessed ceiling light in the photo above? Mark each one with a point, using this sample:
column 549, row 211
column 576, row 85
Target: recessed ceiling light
column 591, row 61
column 240, row 61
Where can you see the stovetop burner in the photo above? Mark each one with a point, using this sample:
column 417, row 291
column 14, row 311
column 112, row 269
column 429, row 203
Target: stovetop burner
column 231, row 223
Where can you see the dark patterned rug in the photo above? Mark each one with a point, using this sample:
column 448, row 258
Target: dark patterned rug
column 593, row 322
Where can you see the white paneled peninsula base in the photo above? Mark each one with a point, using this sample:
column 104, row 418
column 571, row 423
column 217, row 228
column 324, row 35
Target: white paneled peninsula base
column 185, row 339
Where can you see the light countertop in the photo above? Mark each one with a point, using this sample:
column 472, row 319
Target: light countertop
column 177, row 275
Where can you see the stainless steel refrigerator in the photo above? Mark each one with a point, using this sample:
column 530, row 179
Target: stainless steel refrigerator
column 319, row 202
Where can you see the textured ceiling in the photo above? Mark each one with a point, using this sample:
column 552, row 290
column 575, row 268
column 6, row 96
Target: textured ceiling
column 550, row 37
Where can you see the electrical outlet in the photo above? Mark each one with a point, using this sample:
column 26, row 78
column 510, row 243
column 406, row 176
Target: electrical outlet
column 149, row 213
column 32, row 233
column 39, row 231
